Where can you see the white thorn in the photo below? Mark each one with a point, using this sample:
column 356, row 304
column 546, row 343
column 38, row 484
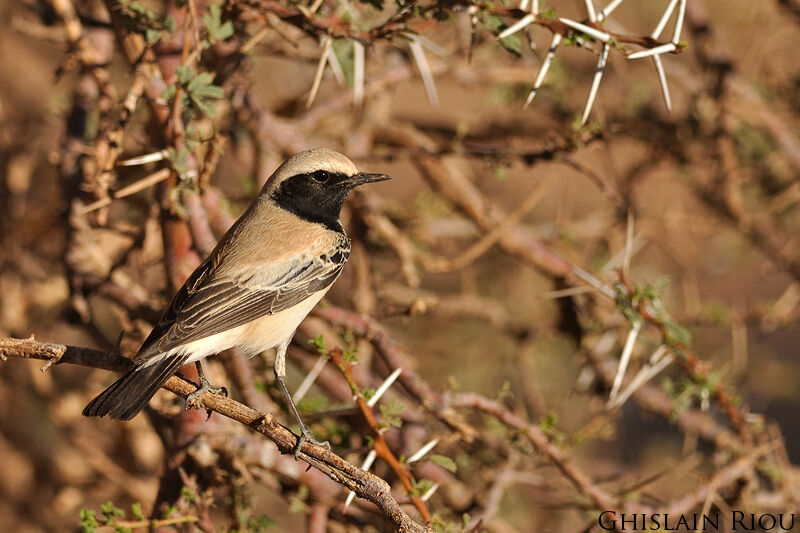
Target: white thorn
column 535, row 7
column 358, row 74
column 704, row 397
column 427, row 496
column 606, row 11
column 523, row 5
column 618, row 259
column 527, row 20
column 660, row 352
column 384, row 387
column 545, row 66
column 365, row 466
column 422, row 451
column 601, row 36
column 626, row 258
column 594, row 282
column 350, row 497
column 676, row 35
column 662, row 80
column 625, row 358
column 664, row 18
column 310, row 378
column 661, row 49
column 323, row 59
column 598, row 75
column 657, row 363
column 336, row 67
column 432, row 47
column 590, row 10
column 144, row 159
column 424, row 70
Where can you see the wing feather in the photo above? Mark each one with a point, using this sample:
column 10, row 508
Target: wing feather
column 213, row 300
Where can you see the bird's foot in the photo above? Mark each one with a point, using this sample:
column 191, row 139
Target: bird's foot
column 305, row 436
column 194, row 400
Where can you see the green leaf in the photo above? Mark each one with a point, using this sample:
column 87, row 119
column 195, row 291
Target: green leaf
column 390, row 411
column 88, row 523
column 169, row 92
column 152, row 35
column 548, row 13
column 217, row 30
column 495, row 24
column 445, row 462
column 421, row 487
column 260, row 522
column 349, row 355
column 185, row 73
column 512, row 44
column 136, row 511
column 188, row 494
column 111, row 511
column 318, row 342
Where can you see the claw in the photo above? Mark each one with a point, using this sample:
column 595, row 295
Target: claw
column 194, row 400
column 305, row 436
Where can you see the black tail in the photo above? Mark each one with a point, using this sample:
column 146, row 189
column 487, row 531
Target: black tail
column 130, row 393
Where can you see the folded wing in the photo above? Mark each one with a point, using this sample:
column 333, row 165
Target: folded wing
column 213, row 300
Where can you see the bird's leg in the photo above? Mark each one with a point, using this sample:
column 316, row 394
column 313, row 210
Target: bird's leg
column 193, row 399
column 280, row 376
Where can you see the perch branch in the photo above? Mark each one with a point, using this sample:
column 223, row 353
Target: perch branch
column 364, row 484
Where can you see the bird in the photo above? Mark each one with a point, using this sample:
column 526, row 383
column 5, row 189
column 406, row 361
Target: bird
column 264, row 276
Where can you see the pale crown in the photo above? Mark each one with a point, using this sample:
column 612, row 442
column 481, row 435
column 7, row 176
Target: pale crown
column 308, row 162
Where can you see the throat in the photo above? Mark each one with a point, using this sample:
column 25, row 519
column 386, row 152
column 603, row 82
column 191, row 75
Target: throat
column 323, row 210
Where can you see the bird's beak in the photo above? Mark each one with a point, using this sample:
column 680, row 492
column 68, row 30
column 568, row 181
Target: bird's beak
column 362, row 177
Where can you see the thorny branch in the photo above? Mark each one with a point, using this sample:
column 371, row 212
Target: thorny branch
column 468, row 221
column 364, row 484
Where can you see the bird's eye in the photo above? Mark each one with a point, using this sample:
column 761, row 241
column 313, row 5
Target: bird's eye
column 321, row 176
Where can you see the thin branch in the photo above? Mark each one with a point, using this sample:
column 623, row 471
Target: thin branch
column 364, row 484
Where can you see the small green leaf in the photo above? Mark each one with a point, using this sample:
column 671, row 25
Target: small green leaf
column 390, row 411
column 217, row 30
column 188, row 494
column 445, row 462
column 318, row 342
column 512, row 44
column 88, row 523
column 548, row 13
column 349, row 355
column 421, row 487
column 136, row 511
column 260, row 522
column 152, row 35
column 185, row 73
column 111, row 511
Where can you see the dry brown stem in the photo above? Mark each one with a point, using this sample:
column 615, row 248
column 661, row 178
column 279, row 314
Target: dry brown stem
column 364, row 484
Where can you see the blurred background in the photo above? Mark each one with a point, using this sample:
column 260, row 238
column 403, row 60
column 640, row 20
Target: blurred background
column 509, row 259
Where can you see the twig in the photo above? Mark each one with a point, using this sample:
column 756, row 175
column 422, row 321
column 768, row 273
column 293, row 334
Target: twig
column 440, row 264
column 542, row 444
column 379, row 445
column 364, row 484
column 140, row 185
